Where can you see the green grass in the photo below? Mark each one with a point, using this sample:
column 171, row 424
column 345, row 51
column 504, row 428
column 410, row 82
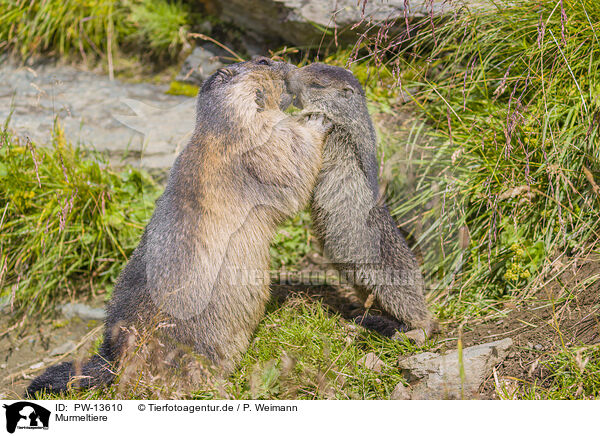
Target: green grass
column 573, row 373
column 496, row 178
column 180, row 88
column 292, row 242
column 68, row 222
column 160, row 25
column 300, row 351
column 97, row 28
column 70, row 234
column 319, row 361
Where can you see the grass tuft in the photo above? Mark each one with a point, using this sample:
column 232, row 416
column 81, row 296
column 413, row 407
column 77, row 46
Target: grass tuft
column 97, row 28
column 68, row 221
column 503, row 162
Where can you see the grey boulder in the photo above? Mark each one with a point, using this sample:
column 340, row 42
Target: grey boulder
column 307, row 22
column 435, row 376
column 135, row 124
column 86, row 313
column 199, row 65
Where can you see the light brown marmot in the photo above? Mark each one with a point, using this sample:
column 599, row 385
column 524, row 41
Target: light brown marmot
column 198, row 275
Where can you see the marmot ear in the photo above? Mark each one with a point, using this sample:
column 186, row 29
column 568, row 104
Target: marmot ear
column 225, row 74
column 222, row 75
column 348, row 91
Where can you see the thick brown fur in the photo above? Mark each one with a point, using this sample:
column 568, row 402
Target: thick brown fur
column 197, row 277
column 350, row 219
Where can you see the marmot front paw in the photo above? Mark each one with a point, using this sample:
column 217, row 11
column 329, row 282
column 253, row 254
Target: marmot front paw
column 318, row 121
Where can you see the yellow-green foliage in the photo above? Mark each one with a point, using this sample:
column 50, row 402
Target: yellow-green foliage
column 510, row 98
column 292, row 241
column 91, row 27
column 180, row 88
column 68, row 221
column 163, row 24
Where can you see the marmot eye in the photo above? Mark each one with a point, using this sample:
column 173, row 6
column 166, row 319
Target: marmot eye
column 317, row 85
column 263, row 62
column 348, row 91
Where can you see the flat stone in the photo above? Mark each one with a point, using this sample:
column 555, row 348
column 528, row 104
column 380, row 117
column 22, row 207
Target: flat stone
column 417, row 336
column 401, row 392
column 436, row 376
column 67, row 347
column 135, row 124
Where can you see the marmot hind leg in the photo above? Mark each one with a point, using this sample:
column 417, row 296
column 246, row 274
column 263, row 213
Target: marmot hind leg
column 401, row 288
column 372, row 255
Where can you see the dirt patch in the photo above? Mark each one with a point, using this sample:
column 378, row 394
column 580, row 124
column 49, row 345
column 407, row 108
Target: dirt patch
column 25, row 350
column 565, row 313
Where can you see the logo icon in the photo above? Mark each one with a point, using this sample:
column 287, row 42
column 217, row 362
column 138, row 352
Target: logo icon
column 26, row 415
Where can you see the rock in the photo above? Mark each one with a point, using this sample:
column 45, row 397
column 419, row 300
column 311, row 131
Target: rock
column 82, row 311
column 304, row 22
column 434, row 376
column 199, row 65
column 401, row 392
column 417, row 336
column 134, row 124
column 372, row 362
column 67, row 347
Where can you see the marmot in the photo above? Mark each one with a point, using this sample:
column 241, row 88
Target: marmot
column 202, row 259
column 350, row 219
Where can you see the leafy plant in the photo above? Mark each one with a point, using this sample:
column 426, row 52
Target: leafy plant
column 292, row 241
column 69, row 26
column 161, row 23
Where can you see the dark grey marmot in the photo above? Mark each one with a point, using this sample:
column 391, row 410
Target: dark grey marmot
column 354, row 226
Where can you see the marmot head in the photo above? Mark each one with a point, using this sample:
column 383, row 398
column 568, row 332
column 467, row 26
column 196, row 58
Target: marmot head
column 250, row 86
column 328, row 89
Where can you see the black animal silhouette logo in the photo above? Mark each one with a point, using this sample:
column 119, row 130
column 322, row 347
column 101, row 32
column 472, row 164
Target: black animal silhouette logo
column 26, row 415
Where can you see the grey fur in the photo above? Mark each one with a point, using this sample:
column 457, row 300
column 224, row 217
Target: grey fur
column 352, row 223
